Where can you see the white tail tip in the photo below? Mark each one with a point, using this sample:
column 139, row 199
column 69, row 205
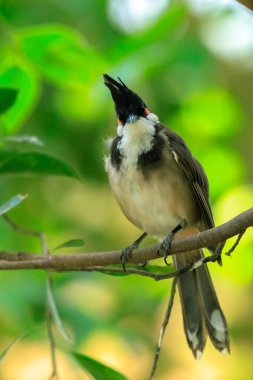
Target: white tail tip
column 199, row 354
column 224, row 351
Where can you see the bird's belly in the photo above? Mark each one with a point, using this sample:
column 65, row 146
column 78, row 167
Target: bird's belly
column 155, row 203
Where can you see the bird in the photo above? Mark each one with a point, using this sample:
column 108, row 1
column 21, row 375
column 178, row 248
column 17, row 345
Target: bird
column 164, row 191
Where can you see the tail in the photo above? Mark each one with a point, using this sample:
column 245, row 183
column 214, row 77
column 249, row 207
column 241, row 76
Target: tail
column 202, row 313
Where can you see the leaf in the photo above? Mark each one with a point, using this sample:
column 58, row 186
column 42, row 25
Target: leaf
column 26, row 83
column 62, row 55
column 223, row 119
column 98, row 370
column 8, row 348
column 23, row 139
column 137, row 42
column 159, row 269
column 7, row 98
column 11, row 203
column 54, row 311
column 155, row 269
column 34, row 162
column 16, row 340
column 71, row 243
column 12, row 344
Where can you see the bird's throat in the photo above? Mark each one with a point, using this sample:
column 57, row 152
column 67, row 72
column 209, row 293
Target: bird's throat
column 136, row 138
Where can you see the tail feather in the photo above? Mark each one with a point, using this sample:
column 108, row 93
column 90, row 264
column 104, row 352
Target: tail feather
column 214, row 317
column 192, row 313
column 200, row 307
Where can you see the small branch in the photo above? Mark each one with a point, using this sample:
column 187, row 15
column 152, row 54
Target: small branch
column 247, row 3
column 82, row 261
column 49, row 292
column 163, row 329
column 54, row 373
column 228, row 253
column 20, row 229
column 26, row 231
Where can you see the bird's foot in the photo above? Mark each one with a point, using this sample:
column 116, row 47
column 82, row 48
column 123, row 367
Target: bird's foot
column 164, row 248
column 126, row 254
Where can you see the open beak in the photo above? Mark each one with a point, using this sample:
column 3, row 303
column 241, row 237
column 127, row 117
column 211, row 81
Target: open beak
column 118, row 89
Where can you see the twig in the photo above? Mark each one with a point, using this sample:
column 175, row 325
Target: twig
column 49, row 293
column 163, row 329
column 16, row 340
column 54, row 373
column 49, row 317
column 247, row 3
column 228, row 253
column 77, row 262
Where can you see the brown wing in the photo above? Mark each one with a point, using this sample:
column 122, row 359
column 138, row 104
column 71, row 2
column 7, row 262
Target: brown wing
column 194, row 173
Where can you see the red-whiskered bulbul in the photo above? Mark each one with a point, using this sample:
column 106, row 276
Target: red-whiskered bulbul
column 162, row 189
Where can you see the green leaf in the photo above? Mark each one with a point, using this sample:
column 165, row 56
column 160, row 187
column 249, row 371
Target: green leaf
column 7, row 98
column 8, row 348
column 34, row 162
column 13, row 343
column 23, row 139
column 155, row 269
column 222, row 119
column 71, row 243
column 159, row 269
column 26, row 83
column 54, row 311
column 137, row 42
column 11, row 203
column 98, row 370
column 62, row 55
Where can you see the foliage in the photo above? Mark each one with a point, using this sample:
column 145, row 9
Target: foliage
column 55, row 114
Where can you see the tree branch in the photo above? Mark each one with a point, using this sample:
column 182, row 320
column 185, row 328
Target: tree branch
column 247, row 3
column 83, row 261
column 163, row 329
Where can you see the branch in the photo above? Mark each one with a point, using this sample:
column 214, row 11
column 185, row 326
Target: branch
column 163, row 328
column 83, row 261
column 247, row 3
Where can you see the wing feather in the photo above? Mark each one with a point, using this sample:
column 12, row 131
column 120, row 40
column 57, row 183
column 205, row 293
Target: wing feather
column 194, row 172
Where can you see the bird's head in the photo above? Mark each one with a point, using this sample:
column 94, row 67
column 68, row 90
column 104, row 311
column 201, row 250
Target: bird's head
column 128, row 105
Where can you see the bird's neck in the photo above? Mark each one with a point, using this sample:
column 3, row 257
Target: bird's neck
column 136, row 138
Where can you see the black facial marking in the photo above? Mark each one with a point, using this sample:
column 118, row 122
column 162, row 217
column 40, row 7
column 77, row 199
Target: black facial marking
column 126, row 101
column 151, row 158
column 115, row 155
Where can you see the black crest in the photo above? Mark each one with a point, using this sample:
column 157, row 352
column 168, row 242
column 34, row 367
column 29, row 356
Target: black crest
column 126, row 101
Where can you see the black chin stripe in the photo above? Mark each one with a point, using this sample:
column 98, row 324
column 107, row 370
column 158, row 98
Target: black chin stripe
column 151, row 158
column 116, row 157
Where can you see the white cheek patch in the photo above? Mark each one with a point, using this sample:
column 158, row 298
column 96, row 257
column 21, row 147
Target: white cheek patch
column 120, row 130
column 152, row 117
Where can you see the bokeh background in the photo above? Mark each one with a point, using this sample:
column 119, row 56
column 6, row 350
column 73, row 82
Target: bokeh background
column 192, row 61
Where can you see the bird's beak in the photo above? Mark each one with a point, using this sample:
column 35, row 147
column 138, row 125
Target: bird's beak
column 119, row 90
column 132, row 118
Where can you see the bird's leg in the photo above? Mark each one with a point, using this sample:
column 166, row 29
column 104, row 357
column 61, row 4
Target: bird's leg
column 126, row 253
column 164, row 248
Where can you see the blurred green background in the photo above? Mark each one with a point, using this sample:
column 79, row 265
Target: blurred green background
column 192, row 61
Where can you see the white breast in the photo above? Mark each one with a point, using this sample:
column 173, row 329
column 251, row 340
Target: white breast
column 153, row 204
